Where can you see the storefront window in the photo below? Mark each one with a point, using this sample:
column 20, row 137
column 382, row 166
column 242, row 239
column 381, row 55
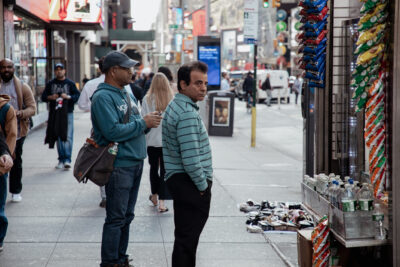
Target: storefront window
column 29, row 55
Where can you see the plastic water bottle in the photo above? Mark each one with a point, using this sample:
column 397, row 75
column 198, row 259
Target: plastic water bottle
column 113, row 150
column 365, row 198
column 331, row 192
column 377, row 217
column 335, row 195
column 347, row 200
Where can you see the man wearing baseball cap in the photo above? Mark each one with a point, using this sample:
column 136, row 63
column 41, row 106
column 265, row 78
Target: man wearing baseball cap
column 61, row 94
column 109, row 107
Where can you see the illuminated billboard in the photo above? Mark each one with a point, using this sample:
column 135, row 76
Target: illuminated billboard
column 81, row 11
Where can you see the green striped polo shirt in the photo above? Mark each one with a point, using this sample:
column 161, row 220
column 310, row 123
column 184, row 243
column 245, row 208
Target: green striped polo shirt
column 186, row 148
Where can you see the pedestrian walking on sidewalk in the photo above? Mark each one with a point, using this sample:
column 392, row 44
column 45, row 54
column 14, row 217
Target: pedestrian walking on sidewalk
column 25, row 107
column 6, row 163
column 188, row 163
column 167, row 72
column 297, row 87
column 248, row 86
column 109, row 106
column 266, row 86
column 157, row 99
column 61, row 94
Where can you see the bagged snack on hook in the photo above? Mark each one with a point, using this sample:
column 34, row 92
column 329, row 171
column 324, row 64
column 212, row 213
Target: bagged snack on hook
column 374, row 63
column 370, row 54
column 318, row 66
column 315, row 49
column 377, row 10
column 369, row 44
column 311, row 3
column 317, row 40
column 381, row 17
column 371, row 33
column 369, row 5
column 361, row 102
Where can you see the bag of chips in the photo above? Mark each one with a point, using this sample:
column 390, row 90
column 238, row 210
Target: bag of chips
column 370, row 54
column 371, row 33
column 374, row 20
column 377, row 10
column 370, row 43
column 369, row 5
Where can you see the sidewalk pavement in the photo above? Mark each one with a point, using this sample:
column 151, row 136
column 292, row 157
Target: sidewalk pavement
column 59, row 223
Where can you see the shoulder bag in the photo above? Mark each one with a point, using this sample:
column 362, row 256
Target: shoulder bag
column 95, row 162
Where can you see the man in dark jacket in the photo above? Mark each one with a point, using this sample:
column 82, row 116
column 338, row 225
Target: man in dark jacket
column 248, row 86
column 266, row 86
column 62, row 94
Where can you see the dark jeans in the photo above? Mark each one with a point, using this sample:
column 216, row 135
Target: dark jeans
column 16, row 170
column 65, row 148
column 190, row 215
column 297, row 96
column 3, row 198
column 122, row 191
column 157, row 171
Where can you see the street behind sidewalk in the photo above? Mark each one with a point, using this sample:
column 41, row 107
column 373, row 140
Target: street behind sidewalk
column 59, row 222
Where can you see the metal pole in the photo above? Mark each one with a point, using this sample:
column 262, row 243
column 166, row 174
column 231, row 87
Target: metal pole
column 253, row 109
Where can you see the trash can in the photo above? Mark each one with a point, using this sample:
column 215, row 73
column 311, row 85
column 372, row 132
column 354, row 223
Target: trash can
column 221, row 113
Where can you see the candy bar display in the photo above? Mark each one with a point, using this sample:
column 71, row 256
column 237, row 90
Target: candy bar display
column 275, row 216
column 313, row 41
column 370, row 83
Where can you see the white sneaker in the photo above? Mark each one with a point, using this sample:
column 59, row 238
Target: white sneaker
column 16, row 198
column 60, row 165
column 67, row 165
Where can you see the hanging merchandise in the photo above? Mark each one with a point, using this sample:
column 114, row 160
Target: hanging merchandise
column 314, row 16
column 320, row 243
column 370, row 83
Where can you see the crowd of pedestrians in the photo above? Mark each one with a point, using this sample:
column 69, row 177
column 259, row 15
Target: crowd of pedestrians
column 146, row 116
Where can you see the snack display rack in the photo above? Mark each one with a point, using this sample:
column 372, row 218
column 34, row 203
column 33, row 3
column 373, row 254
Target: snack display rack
column 366, row 131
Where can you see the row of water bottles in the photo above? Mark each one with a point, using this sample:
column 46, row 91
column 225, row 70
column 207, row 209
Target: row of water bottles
column 348, row 195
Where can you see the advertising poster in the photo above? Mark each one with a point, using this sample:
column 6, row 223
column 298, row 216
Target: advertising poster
column 229, row 45
column 85, row 11
column 211, row 55
column 199, row 22
column 221, row 111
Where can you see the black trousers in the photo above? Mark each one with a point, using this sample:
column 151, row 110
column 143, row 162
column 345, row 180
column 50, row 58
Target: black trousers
column 16, row 170
column 190, row 215
column 157, row 172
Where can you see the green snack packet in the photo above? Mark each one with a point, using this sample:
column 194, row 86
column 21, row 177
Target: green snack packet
column 360, row 89
column 371, row 43
column 360, row 68
column 369, row 5
column 361, row 102
column 374, row 20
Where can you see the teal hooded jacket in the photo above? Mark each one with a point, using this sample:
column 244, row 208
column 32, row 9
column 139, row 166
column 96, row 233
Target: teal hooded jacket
column 109, row 106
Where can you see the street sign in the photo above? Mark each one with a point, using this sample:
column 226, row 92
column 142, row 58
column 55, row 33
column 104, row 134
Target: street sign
column 281, row 14
column 281, row 26
column 173, row 26
column 250, row 16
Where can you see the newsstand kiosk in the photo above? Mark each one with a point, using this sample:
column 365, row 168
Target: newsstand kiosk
column 352, row 71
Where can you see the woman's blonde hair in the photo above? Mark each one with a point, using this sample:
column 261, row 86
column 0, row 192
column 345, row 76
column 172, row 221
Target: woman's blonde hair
column 160, row 92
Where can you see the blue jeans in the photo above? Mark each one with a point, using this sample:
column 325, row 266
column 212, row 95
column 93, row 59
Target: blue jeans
column 122, row 191
column 65, row 148
column 3, row 198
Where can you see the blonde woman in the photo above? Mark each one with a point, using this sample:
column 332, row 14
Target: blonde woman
column 157, row 99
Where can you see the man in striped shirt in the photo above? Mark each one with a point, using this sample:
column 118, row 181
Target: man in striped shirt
column 188, row 164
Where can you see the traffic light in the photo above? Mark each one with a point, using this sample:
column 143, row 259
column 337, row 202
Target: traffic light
column 266, row 3
column 276, row 3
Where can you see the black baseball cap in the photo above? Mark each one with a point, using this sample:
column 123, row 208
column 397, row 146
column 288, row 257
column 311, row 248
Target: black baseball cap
column 59, row 65
column 117, row 58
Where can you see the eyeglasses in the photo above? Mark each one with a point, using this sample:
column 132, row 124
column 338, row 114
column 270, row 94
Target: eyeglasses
column 125, row 69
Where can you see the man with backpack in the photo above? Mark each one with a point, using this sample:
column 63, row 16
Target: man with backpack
column 25, row 107
column 266, row 86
